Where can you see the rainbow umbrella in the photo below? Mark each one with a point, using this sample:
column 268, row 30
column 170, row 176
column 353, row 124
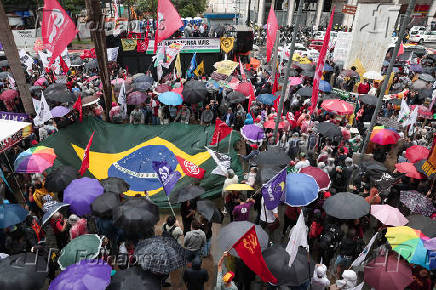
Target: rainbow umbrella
column 409, row 243
column 35, row 160
column 384, row 136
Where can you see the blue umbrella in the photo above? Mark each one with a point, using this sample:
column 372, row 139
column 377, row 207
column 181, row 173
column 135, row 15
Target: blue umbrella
column 267, row 99
column 170, row 99
column 328, row 67
column 325, row 87
column 301, row 189
column 11, row 214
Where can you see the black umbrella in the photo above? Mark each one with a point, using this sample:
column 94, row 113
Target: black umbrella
column 76, row 61
column 160, row 254
column 141, row 77
column 328, row 129
column 373, row 167
column 305, row 92
column 141, row 86
column 274, row 156
column 114, row 184
column 395, row 102
column 235, row 97
column 4, row 63
column 368, row 99
column 50, row 207
column 194, row 91
column 426, row 77
column 346, row 205
column 36, row 91
column 136, row 216
column 59, row 93
column 104, row 204
column 309, row 74
column 25, row 271
column 277, row 260
column 186, row 193
column 209, row 211
column 134, row 279
column 425, row 224
column 4, row 75
column 58, row 179
column 425, row 93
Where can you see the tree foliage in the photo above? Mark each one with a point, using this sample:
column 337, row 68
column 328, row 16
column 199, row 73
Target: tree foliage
column 186, row 8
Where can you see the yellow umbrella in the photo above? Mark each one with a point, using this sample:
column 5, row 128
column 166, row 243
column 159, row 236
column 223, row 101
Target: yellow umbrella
column 238, row 187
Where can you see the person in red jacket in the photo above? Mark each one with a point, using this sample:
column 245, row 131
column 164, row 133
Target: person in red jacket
column 364, row 87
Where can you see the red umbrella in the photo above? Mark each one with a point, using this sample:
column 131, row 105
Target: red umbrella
column 322, row 178
column 416, row 153
column 162, row 88
column 9, row 95
column 271, row 124
column 136, row 98
column 337, row 106
column 409, row 169
column 383, row 136
column 388, row 273
column 244, row 88
column 423, row 111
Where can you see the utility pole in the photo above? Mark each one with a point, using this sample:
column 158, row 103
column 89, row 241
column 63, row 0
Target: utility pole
column 275, row 56
column 11, row 52
column 288, row 68
column 388, row 73
column 98, row 36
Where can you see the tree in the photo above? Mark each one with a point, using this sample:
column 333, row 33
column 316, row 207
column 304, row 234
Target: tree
column 74, row 7
column 186, row 8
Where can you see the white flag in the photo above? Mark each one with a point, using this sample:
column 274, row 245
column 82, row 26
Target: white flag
column 112, row 54
column 11, row 82
column 404, row 111
column 412, row 120
column 26, row 59
column 43, row 113
column 359, row 260
column 122, row 99
column 222, row 161
column 298, row 237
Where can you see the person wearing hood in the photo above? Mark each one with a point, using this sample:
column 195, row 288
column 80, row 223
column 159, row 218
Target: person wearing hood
column 195, row 239
column 195, row 277
column 319, row 278
column 348, row 281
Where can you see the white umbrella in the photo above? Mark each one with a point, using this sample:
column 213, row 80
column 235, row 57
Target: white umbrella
column 373, row 75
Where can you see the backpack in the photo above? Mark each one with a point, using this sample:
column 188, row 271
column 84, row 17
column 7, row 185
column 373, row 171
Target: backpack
column 294, row 148
column 168, row 233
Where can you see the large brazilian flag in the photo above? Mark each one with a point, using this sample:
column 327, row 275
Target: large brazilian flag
column 128, row 151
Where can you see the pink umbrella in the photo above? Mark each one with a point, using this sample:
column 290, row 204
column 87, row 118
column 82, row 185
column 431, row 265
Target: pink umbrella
column 40, row 81
column 136, row 98
column 162, row 88
column 321, row 178
column 117, row 81
column 388, row 215
column 423, row 111
column 417, row 152
column 9, row 95
column 388, row 273
column 244, row 88
column 295, row 81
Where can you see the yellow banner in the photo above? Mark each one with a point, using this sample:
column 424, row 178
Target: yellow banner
column 227, row 43
column 128, row 44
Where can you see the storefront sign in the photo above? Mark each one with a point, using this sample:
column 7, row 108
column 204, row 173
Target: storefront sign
column 19, row 117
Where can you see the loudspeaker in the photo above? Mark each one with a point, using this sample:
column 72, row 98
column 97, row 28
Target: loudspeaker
column 244, row 41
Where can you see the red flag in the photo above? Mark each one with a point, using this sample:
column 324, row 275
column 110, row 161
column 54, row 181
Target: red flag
column 275, row 87
column 191, row 169
column 78, row 106
column 141, row 45
column 252, row 97
column 401, row 51
column 320, row 66
column 85, row 161
column 58, row 30
column 168, row 22
column 248, row 249
column 272, row 27
column 241, row 68
column 221, row 131
column 63, row 64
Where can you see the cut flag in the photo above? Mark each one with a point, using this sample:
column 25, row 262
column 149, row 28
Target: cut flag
column 192, row 66
column 273, row 190
column 167, row 176
column 58, row 30
column 241, row 68
column 168, row 21
column 272, row 27
column 221, row 131
column 191, row 169
column 222, row 161
column 199, row 71
column 251, row 99
column 85, row 161
column 298, row 237
column 43, row 113
column 78, row 106
column 320, row 66
column 248, row 249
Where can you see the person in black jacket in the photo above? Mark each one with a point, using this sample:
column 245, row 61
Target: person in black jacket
column 195, row 277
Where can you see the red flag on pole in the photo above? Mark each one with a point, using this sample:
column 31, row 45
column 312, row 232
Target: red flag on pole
column 78, row 106
column 320, row 65
column 191, row 169
column 252, row 97
column 85, row 161
column 401, row 51
column 168, row 21
column 221, row 131
column 241, row 68
column 63, row 64
column 58, row 30
column 272, row 27
column 275, row 87
column 248, row 249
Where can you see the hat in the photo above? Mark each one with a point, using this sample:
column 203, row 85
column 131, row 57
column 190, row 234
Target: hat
column 254, row 146
column 321, row 270
column 228, row 277
column 349, row 275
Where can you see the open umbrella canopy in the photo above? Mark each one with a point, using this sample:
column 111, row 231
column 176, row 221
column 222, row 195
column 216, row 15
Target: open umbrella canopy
column 235, row 97
column 87, row 245
column 50, row 207
column 267, row 99
column 58, row 92
column 301, row 189
column 209, row 211
column 337, row 106
column 325, row 86
column 36, row 91
column 388, row 215
column 194, row 91
column 134, row 278
column 416, row 152
column 426, row 77
column 321, row 178
column 368, row 99
column 244, row 88
column 270, row 124
column 373, row 75
column 162, row 88
column 59, row 178
column 388, row 273
column 8, row 95
column 417, row 202
column 35, row 160
column 4, row 63
column 104, row 204
column 136, row 98
column 25, row 271
column 142, row 78
column 328, row 129
column 409, row 169
column 186, row 193
column 59, row 111
column 238, row 187
column 87, row 274
column 136, row 216
column 89, row 190
column 425, row 224
column 170, row 99
column 383, row 136
column 160, row 254
column 11, row 214
column 232, row 232
column 4, row 75
column 114, row 184
column 305, row 92
column 253, row 133
column 423, row 111
column 141, row 86
column 356, row 207
column 274, row 156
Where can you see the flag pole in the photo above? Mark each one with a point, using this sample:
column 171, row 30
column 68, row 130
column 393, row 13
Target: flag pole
column 169, row 203
column 406, row 21
column 287, row 70
column 275, row 56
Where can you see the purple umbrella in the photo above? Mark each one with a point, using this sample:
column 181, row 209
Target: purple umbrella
column 253, row 133
column 59, row 111
column 87, row 274
column 81, row 193
column 136, row 98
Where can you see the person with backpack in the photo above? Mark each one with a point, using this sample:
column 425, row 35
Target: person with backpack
column 172, row 229
column 328, row 241
column 348, row 250
column 294, row 146
column 194, row 241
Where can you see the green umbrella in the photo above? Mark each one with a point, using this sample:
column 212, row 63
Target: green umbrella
column 81, row 248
